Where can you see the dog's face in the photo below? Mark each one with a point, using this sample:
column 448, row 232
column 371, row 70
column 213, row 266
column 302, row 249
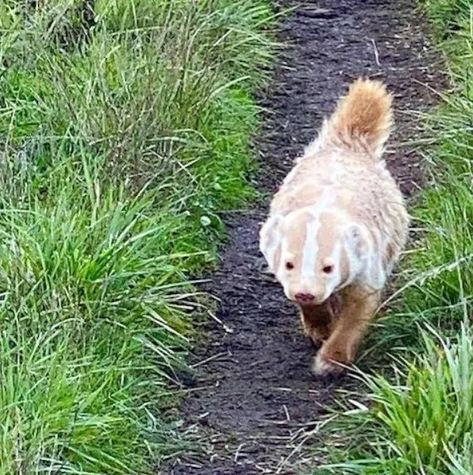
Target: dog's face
column 312, row 255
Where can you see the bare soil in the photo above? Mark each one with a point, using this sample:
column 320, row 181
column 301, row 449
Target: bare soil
column 254, row 407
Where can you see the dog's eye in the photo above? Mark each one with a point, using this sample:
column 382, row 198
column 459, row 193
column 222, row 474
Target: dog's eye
column 289, row 265
column 327, row 269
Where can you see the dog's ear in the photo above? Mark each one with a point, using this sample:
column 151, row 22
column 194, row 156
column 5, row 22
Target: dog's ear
column 374, row 274
column 356, row 241
column 270, row 241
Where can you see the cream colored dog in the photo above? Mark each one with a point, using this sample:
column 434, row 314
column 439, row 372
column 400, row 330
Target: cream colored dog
column 338, row 224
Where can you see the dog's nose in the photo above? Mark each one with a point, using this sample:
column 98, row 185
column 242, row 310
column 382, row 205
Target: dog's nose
column 304, row 297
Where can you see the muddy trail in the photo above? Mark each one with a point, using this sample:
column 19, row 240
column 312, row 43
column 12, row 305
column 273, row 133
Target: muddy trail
column 254, row 407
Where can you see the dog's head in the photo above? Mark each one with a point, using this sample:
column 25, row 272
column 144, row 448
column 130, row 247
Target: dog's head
column 312, row 254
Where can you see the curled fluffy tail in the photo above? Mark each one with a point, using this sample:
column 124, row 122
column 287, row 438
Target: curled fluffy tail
column 362, row 120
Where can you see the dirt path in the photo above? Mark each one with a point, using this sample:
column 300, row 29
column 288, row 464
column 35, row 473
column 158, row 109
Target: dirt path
column 254, row 401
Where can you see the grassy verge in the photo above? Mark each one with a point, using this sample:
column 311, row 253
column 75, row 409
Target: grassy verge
column 418, row 419
column 124, row 129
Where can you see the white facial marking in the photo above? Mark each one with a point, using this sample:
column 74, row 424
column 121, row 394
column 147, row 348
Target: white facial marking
column 310, row 250
column 281, row 271
column 335, row 277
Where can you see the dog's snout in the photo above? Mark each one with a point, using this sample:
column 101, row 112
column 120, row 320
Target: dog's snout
column 304, row 297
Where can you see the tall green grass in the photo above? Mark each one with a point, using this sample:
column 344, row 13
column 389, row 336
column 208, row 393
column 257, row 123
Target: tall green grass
column 123, row 132
column 417, row 419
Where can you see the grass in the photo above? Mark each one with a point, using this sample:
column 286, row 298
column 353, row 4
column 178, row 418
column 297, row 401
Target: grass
column 123, row 133
column 417, row 416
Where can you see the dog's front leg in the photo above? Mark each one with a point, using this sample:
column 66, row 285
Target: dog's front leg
column 317, row 322
column 358, row 309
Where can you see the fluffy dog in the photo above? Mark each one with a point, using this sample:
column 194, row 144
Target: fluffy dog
column 338, row 224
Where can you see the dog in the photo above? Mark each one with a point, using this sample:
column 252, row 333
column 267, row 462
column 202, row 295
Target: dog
column 337, row 226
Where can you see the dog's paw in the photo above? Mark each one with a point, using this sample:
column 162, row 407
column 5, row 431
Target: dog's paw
column 323, row 366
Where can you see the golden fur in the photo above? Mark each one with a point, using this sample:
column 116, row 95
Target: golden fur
column 338, row 224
